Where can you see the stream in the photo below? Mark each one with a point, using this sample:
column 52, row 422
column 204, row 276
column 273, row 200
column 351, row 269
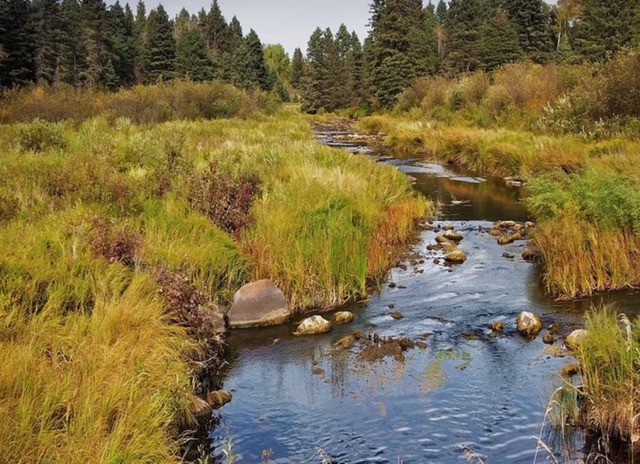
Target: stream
column 465, row 396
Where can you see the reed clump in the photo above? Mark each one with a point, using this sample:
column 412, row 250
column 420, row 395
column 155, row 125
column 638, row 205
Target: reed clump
column 610, row 360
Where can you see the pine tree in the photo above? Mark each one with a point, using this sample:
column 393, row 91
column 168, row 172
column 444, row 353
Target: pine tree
column 72, row 52
column 94, row 24
column 48, row 40
column 297, row 68
column 316, row 82
column 160, row 48
column 499, row 42
column 122, row 43
column 401, row 48
column 192, row 57
column 441, row 11
column 531, row 20
column 605, row 27
column 252, row 70
column 342, row 68
column 140, row 40
column 462, row 25
column 358, row 59
column 216, row 30
column 110, row 79
column 17, row 40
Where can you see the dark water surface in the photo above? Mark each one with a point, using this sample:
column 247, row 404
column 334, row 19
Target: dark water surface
column 466, row 392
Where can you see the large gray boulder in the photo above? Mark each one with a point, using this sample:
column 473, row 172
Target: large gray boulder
column 258, row 304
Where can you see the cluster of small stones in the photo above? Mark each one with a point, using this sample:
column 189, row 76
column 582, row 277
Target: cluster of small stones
column 375, row 347
column 448, row 242
column 507, row 232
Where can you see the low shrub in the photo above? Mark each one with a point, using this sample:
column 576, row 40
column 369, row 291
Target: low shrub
column 41, row 135
column 142, row 104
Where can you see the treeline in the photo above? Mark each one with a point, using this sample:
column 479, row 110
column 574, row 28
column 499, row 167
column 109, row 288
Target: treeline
column 85, row 43
column 407, row 41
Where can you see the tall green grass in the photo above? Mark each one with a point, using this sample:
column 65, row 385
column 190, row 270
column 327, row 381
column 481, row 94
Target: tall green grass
column 610, row 360
column 99, row 240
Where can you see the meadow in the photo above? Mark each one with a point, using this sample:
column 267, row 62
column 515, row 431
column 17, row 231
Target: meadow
column 120, row 233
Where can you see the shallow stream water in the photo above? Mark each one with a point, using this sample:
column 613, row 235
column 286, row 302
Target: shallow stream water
column 465, row 395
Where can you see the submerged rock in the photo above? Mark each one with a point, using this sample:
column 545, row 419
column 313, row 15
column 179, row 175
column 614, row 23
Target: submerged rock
column 397, row 315
column 346, row 342
column 575, row 339
column 456, row 257
column 497, row 326
column 313, row 325
column 258, row 304
column 548, row 338
column 529, row 324
column 343, row 317
column 217, row 399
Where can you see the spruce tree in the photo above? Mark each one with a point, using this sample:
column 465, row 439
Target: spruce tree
column 462, row 25
column 401, row 47
column 216, row 30
column 110, row 79
column 499, row 42
column 48, row 40
column 140, row 40
column 18, row 68
column 316, row 82
column 531, row 20
column 160, row 48
column 605, row 27
column 342, row 68
column 122, row 43
column 358, row 58
column 192, row 57
column 94, row 27
column 252, row 70
column 297, row 68
column 441, row 11
column 72, row 54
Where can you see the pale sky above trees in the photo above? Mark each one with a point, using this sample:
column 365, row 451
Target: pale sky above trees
column 289, row 22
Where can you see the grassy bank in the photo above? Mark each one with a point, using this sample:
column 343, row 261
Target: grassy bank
column 582, row 192
column 117, row 240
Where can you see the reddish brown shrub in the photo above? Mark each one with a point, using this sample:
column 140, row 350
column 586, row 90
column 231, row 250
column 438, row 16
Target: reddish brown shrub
column 112, row 244
column 186, row 305
column 224, row 200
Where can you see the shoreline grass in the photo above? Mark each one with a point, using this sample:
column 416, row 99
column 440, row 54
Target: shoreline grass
column 583, row 194
column 100, row 239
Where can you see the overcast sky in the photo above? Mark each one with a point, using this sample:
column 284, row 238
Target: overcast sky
column 289, row 22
